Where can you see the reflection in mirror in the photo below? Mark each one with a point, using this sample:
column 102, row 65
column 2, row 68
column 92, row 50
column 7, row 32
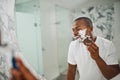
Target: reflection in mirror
column 103, row 18
column 55, row 34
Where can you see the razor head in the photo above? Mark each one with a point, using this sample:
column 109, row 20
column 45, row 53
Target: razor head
column 88, row 39
column 14, row 64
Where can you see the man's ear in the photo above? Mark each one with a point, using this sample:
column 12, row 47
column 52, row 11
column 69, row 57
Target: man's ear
column 89, row 31
column 91, row 28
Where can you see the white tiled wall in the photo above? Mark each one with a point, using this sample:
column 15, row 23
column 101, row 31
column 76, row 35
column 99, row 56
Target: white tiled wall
column 7, row 25
column 116, row 28
column 49, row 42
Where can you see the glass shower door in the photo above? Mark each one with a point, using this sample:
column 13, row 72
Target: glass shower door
column 29, row 33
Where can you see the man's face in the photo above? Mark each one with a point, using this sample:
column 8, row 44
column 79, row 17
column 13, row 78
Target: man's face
column 80, row 25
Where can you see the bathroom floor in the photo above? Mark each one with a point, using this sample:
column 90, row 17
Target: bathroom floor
column 63, row 77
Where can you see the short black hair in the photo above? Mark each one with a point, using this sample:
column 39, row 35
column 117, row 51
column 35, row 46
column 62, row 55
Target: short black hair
column 86, row 19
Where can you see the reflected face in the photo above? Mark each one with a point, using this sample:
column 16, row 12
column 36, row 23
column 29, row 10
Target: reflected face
column 78, row 25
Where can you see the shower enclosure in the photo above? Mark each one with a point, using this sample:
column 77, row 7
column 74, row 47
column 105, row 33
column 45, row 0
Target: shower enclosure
column 29, row 32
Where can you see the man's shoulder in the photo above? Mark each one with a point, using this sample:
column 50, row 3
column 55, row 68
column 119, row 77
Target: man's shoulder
column 105, row 41
column 73, row 43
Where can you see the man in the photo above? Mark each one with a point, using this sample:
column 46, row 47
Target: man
column 92, row 56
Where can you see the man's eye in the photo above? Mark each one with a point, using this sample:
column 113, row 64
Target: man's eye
column 78, row 29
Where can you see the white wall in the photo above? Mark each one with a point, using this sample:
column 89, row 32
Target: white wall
column 116, row 28
column 7, row 24
column 64, row 35
column 49, row 43
column 95, row 3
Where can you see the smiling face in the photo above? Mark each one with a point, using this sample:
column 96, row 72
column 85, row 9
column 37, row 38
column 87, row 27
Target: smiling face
column 78, row 25
column 81, row 25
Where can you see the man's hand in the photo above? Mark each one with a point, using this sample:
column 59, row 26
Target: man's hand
column 109, row 71
column 23, row 73
column 93, row 49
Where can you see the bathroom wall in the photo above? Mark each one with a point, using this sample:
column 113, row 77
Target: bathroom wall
column 49, row 43
column 7, row 24
column 116, row 28
column 64, row 35
column 102, row 17
column 8, row 35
